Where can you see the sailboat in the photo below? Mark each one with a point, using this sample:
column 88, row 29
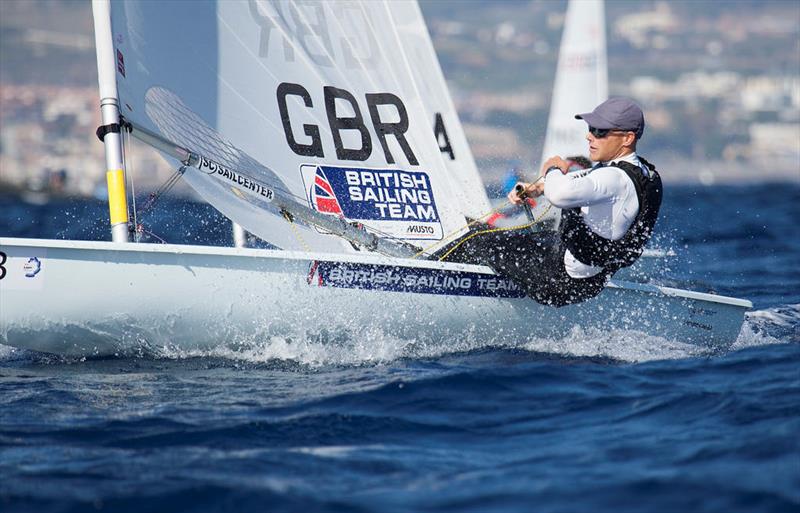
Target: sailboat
column 325, row 129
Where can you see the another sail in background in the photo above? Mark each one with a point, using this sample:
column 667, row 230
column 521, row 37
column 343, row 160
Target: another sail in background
column 318, row 100
column 581, row 78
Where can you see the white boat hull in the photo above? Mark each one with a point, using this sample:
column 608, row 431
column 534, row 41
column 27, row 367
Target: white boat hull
column 100, row 298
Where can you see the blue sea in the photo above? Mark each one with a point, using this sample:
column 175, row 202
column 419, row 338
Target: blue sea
column 592, row 422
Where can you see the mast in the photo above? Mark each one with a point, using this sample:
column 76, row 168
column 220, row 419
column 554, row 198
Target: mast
column 109, row 110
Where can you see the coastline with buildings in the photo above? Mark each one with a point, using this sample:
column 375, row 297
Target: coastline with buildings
column 721, row 92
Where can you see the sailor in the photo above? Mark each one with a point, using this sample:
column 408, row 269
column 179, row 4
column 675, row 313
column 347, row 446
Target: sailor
column 608, row 215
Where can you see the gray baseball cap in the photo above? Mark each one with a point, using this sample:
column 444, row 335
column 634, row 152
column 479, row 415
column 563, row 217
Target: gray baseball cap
column 616, row 114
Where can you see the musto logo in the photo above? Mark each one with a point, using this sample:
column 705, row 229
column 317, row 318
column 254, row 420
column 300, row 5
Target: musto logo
column 398, row 203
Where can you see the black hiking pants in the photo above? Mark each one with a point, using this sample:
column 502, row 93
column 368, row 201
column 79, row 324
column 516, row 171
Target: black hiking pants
column 534, row 261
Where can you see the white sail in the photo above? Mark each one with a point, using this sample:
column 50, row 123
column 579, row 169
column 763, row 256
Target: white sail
column 467, row 185
column 581, row 78
column 315, row 100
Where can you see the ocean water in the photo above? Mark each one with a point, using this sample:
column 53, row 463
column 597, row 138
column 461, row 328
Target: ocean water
column 591, row 422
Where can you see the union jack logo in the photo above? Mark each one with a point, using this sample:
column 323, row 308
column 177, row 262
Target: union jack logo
column 322, row 195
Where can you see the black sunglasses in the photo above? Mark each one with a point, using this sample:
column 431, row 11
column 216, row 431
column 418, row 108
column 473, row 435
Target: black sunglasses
column 599, row 133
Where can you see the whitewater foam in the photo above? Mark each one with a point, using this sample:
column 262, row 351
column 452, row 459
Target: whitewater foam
column 777, row 325
column 369, row 346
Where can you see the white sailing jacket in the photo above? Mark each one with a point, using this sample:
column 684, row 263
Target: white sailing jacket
column 607, row 199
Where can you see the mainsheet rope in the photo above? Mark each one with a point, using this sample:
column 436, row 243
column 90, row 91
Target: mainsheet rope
column 483, row 232
column 532, row 223
column 295, row 231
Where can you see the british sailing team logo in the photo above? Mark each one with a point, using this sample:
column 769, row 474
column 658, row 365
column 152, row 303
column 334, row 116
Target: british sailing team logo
column 395, row 202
